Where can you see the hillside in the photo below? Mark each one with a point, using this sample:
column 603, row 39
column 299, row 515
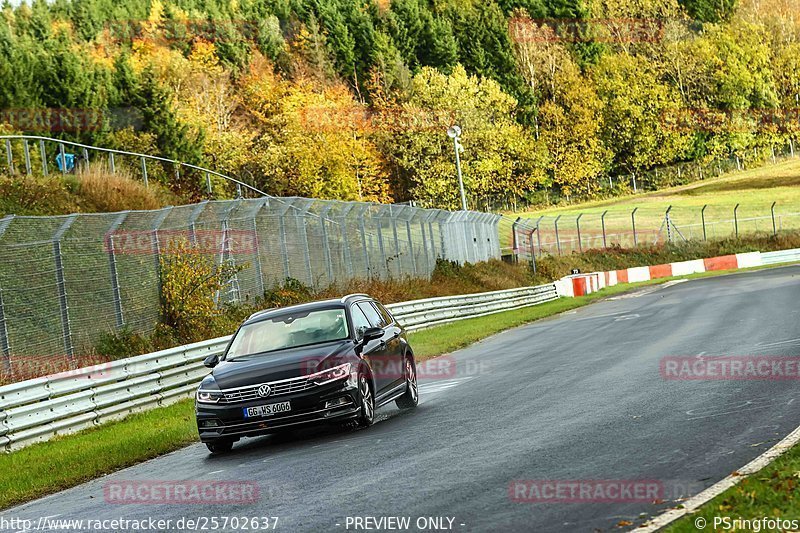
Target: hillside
column 350, row 100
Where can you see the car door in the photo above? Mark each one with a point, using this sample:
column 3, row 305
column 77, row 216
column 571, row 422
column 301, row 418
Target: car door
column 393, row 343
column 377, row 351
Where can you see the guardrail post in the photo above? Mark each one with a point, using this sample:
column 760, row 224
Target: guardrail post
column 558, row 240
column 603, row 226
column 112, row 265
column 774, row 229
column 703, row 220
column 62, row 288
column 736, row 220
column 633, row 225
column 578, row 225
column 144, row 171
column 27, row 151
column 9, row 157
column 43, row 153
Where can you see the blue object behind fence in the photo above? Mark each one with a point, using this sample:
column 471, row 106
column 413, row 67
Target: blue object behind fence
column 70, row 159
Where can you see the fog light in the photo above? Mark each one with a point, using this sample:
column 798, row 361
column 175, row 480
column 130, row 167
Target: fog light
column 213, row 423
column 344, row 400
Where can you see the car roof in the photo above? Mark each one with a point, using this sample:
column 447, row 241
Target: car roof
column 309, row 306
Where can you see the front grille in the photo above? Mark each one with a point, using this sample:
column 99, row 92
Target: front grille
column 279, row 388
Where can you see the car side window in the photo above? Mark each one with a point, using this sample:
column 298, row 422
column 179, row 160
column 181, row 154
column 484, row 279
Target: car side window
column 360, row 322
column 387, row 316
column 375, row 319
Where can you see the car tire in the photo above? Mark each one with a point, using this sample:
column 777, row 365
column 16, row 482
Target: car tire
column 410, row 398
column 219, row 446
column 367, row 399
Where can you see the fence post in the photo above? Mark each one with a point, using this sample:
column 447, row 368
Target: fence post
column 144, row 172
column 9, row 157
column 774, row 229
column 633, row 178
column 578, row 225
column 514, row 244
column 428, row 267
column 539, row 235
column 736, row 220
column 257, row 247
column 533, row 255
column 63, row 158
column 703, row 220
column 603, row 226
column 208, row 184
column 5, row 346
column 86, row 159
column 384, row 263
column 325, row 243
column 411, row 247
column 558, row 240
column 43, row 153
column 667, row 222
column 396, row 240
column 111, row 163
column 156, row 245
column 300, row 220
column 284, row 243
column 62, row 289
column 633, row 225
column 27, row 151
column 347, row 258
column 112, row 265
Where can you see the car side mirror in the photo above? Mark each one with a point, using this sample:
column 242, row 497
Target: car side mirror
column 211, row 361
column 372, row 334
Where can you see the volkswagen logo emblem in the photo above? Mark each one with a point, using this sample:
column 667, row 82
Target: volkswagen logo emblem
column 264, row 391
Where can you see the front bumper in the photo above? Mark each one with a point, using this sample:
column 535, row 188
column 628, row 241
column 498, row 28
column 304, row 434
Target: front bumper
column 308, row 409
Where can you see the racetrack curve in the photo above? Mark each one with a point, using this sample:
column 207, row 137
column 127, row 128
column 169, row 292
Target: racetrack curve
column 577, row 396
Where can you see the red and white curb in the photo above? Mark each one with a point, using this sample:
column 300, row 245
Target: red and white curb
column 581, row 284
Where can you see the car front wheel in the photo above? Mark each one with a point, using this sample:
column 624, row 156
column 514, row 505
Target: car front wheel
column 367, row 416
column 410, row 398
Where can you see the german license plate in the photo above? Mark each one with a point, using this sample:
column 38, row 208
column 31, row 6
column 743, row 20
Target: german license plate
column 267, row 410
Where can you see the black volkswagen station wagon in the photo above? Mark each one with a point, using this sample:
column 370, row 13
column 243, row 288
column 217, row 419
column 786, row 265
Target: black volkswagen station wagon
column 315, row 363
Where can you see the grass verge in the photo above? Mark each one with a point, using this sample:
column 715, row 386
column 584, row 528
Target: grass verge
column 67, row 461
column 772, row 492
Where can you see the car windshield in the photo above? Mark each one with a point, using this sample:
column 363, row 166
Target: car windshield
column 289, row 330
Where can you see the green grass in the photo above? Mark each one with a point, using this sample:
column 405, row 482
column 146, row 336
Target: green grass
column 72, row 459
column 772, row 492
column 754, row 190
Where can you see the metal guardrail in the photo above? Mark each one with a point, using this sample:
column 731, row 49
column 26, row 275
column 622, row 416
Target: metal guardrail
column 40, row 409
column 781, row 256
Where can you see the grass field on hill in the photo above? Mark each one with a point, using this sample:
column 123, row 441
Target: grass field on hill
column 754, row 190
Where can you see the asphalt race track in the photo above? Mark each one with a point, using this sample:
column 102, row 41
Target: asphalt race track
column 575, row 397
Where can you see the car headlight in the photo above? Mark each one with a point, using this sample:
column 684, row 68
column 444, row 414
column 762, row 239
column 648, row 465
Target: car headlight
column 208, row 396
column 332, row 374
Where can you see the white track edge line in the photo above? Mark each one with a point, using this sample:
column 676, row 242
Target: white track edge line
column 696, row 501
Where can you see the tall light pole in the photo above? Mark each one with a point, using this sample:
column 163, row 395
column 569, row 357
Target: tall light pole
column 454, row 132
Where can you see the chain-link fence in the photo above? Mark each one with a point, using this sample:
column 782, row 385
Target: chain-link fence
column 65, row 280
column 563, row 234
